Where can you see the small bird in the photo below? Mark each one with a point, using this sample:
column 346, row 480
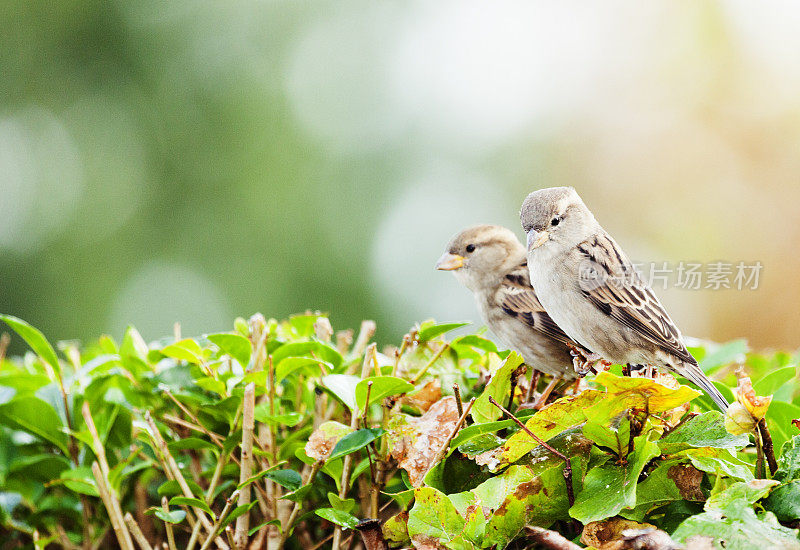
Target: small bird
column 490, row 261
column 590, row 288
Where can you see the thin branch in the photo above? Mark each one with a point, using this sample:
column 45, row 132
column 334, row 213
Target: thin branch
column 222, row 515
column 567, row 464
column 170, row 464
column 399, row 353
column 113, row 508
column 298, row 506
column 168, row 525
column 532, row 386
column 246, row 470
column 133, row 527
column 459, row 404
column 435, row 357
column 769, row 450
column 365, row 334
column 443, row 451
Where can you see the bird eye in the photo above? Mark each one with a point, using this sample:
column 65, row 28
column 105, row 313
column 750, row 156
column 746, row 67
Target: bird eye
column 555, row 221
column 470, row 248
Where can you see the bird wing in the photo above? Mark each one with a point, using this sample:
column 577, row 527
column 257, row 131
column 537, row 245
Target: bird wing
column 518, row 299
column 617, row 289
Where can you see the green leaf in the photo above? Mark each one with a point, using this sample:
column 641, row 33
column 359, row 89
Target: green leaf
column 382, row 386
column 705, row 430
column 624, row 392
column 258, row 528
column 737, row 527
column 779, row 421
column 290, row 365
column 133, row 351
column 428, row 331
column 338, row 517
column 434, row 516
column 474, row 341
column 288, row 419
column 185, row 350
column 789, row 461
column 354, row 441
column 172, row 488
column 193, row 443
column 193, row 502
column 36, row 417
column 317, row 350
column 235, row 345
column 235, row 513
column 173, row 516
column 610, row 488
column 324, row 439
column 774, row 380
column 344, row 504
column 498, row 388
column 299, row 495
column 747, row 491
column 784, row 501
column 81, row 480
column 34, row 339
column 395, row 529
column 725, row 354
column 719, row 461
column 567, row 412
column 290, row 479
column 343, row 386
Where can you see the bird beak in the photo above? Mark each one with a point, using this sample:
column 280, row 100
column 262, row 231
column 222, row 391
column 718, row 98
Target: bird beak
column 449, row 262
column 537, row 238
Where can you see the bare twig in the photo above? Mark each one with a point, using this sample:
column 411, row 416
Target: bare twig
column 287, row 528
column 366, row 404
column 435, row 357
column 443, row 451
column 399, row 353
column 176, row 331
column 169, row 464
column 112, row 507
column 365, row 334
column 323, row 329
column 459, row 404
column 5, row 340
column 133, row 527
column 567, row 464
column 246, row 470
column 769, row 450
column 348, row 459
column 226, row 510
column 532, row 386
column 168, row 525
column 344, row 339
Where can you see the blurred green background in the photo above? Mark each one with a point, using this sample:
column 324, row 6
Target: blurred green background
column 194, row 161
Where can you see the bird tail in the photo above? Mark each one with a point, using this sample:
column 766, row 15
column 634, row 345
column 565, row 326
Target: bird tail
column 696, row 375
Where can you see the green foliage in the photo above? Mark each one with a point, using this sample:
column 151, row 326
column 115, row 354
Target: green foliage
column 338, row 434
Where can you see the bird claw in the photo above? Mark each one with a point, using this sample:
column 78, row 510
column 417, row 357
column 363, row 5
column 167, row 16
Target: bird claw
column 585, row 361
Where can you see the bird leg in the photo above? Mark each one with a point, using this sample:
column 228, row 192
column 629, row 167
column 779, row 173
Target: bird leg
column 542, row 401
column 585, row 361
column 535, row 374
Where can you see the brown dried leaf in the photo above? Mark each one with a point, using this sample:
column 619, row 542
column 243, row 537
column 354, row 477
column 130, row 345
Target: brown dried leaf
column 607, row 534
column 414, row 442
column 324, row 439
column 423, row 398
column 756, row 405
column 687, row 479
column 423, row 542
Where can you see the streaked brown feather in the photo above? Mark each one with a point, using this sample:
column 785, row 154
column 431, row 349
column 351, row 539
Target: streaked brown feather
column 622, row 294
column 517, row 298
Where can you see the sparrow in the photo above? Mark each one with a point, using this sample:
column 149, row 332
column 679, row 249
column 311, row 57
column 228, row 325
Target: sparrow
column 591, row 290
column 490, row 261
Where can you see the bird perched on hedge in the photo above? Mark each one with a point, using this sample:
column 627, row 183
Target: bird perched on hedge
column 590, row 288
column 490, row 261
